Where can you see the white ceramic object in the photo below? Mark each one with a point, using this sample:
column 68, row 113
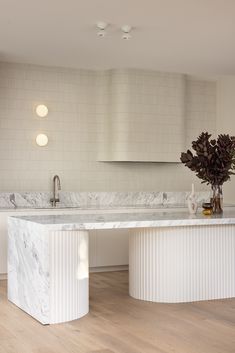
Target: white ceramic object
column 192, row 203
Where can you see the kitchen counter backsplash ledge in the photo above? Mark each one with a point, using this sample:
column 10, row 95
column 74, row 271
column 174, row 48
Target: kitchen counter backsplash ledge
column 96, row 200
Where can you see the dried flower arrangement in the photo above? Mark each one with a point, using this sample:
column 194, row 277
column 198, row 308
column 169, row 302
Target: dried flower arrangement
column 213, row 162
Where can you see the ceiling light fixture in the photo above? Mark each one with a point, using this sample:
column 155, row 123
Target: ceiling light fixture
column 101, row 26
column 126, row 29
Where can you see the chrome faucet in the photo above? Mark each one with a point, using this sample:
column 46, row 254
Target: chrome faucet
column 56, row 187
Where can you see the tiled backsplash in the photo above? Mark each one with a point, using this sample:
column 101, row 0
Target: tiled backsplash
column 76, row 124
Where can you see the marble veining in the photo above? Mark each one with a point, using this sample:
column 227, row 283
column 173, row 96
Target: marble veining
column 123, row 220
column 28, row 269
column 37, row 280
column 144, row 199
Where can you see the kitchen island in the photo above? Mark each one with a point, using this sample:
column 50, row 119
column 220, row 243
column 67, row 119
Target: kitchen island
column 173, row 257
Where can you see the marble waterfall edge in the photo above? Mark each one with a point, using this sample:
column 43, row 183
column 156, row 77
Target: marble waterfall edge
column 48, row 274
column 28, row 269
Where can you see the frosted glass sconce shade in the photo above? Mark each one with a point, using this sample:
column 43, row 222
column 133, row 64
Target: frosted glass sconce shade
column 42, row 110
column 42, row 140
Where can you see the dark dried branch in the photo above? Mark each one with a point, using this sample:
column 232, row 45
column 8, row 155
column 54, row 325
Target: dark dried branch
column 214, row 160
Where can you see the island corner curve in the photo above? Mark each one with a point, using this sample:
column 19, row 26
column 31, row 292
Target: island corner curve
column 174, row 257
column 48, row 271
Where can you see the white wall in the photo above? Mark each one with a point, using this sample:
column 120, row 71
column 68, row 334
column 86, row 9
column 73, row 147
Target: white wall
column 226, row 122
column 77, row 104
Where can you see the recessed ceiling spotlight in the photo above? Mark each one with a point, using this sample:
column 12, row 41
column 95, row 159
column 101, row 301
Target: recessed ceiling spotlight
column 126, row 32
column 101, row 26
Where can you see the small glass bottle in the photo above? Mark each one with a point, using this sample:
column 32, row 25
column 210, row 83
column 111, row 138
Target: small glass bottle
column 207, row 208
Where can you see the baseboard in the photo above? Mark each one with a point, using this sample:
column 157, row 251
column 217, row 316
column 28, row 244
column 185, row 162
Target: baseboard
column 3, row 276
column 109, row 268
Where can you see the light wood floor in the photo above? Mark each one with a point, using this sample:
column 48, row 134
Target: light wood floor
column 119, row 324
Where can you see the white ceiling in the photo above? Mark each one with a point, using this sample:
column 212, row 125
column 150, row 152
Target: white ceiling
column 191, row 36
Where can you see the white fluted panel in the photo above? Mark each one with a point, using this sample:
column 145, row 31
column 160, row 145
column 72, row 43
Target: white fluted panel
column 69, row 276
column 182, row 264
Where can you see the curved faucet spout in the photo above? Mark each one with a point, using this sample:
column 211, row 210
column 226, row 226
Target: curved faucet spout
column 56, row 187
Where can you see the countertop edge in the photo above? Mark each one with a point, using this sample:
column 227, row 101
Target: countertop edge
column 121, row 223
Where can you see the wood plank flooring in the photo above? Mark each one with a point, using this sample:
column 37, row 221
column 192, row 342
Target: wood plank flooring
column 117, row 323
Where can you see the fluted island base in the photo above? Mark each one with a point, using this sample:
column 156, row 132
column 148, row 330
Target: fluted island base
column 182, row 264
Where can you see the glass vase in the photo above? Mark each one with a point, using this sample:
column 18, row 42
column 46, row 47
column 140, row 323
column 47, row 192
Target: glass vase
column 217, row 198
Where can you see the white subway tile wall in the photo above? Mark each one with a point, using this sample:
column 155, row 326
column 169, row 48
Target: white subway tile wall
column 76, row 124
column 200, row 108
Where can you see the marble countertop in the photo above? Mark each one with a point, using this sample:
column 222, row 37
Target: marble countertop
column 98, row 208
column 123, row 220
column 99, row 200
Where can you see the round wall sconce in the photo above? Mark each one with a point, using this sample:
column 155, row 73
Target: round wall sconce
column 42, row 140
column 41, row 110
